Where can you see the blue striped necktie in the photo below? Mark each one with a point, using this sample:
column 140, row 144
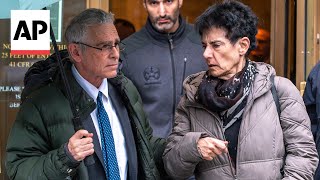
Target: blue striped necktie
column 107, row 142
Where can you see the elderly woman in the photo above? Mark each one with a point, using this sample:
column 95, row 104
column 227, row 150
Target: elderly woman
column 227, row 125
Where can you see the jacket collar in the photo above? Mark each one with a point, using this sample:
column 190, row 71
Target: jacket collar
column 163, row 38
column 88, row 87
column 262, row 82
column 84, row 104
column 83, row 101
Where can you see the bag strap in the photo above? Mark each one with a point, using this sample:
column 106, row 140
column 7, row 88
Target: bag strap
column 277, row 102
column 275, row 95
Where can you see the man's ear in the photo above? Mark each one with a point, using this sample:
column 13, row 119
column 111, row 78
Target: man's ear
column 75, row 52
column 244, row 44
column 180, row 3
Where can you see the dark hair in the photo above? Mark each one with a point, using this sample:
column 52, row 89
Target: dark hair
column 124, row 28
column 237, row 19
column 125, row 23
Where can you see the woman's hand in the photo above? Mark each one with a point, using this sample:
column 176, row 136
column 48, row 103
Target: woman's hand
column 210, row 147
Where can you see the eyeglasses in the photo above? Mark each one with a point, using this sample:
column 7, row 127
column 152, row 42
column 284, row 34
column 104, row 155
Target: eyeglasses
column 118, row 45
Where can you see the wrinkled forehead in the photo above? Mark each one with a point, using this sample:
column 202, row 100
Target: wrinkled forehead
column 213, row 33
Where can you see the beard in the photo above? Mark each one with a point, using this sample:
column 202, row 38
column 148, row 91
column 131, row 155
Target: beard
column 166, row 26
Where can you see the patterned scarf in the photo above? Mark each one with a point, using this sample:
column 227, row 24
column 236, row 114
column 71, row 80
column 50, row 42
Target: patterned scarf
column 219, row 95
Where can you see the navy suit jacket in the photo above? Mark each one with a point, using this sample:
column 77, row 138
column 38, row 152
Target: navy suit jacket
column 95, row 164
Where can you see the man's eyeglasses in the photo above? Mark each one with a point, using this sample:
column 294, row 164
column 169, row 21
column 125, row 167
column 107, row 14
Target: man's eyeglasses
column 119, row 46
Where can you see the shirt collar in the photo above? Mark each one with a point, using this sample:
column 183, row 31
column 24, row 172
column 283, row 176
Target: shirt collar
column 88, row 87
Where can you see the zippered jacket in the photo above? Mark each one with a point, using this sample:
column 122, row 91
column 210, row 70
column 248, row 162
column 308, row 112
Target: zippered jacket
column 268, row 147
column 157, row 63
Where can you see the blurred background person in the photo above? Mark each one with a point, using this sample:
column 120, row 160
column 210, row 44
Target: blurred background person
column 124, row 27
column 227, row 124
column 262, row 52
column 311, row 98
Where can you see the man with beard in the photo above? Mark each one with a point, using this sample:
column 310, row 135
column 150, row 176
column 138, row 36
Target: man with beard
column 159, row 57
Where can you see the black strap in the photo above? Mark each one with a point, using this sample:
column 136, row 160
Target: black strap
column 277, row 102
column 77, row 123
column 76, row 118
column 275, row 95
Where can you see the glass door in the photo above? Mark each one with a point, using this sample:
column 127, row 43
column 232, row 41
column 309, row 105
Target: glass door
column 13, row 67
column 308, row 37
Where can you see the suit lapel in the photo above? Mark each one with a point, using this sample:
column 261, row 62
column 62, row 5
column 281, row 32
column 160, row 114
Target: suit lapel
column 126, row 129
column 88, row 125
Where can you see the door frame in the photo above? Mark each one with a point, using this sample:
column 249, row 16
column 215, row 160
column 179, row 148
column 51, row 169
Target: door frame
column 308, row 39
column 277, row 33
column 100, row 4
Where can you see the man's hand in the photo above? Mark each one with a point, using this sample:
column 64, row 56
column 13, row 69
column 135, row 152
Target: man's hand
column 210, row 147
column 80, row 145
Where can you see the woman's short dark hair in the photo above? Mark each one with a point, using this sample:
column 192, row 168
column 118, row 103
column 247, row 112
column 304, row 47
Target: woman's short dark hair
column 237, row 19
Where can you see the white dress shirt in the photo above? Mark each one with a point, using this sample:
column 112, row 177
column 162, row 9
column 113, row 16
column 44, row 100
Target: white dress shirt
column 119, row 140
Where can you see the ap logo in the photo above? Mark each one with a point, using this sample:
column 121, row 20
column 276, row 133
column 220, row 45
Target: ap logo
column 30, row 32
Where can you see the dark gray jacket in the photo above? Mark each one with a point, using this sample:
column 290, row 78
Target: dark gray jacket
column 157, row 64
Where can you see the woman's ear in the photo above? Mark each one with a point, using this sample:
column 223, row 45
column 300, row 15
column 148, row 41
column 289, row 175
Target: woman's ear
column 74, row 52
column 180, row 3
column 244, row 44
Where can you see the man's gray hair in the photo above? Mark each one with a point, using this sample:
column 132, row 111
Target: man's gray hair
column 77, row 28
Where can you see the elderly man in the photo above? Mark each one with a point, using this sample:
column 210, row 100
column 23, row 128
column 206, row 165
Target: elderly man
column 116, row 134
